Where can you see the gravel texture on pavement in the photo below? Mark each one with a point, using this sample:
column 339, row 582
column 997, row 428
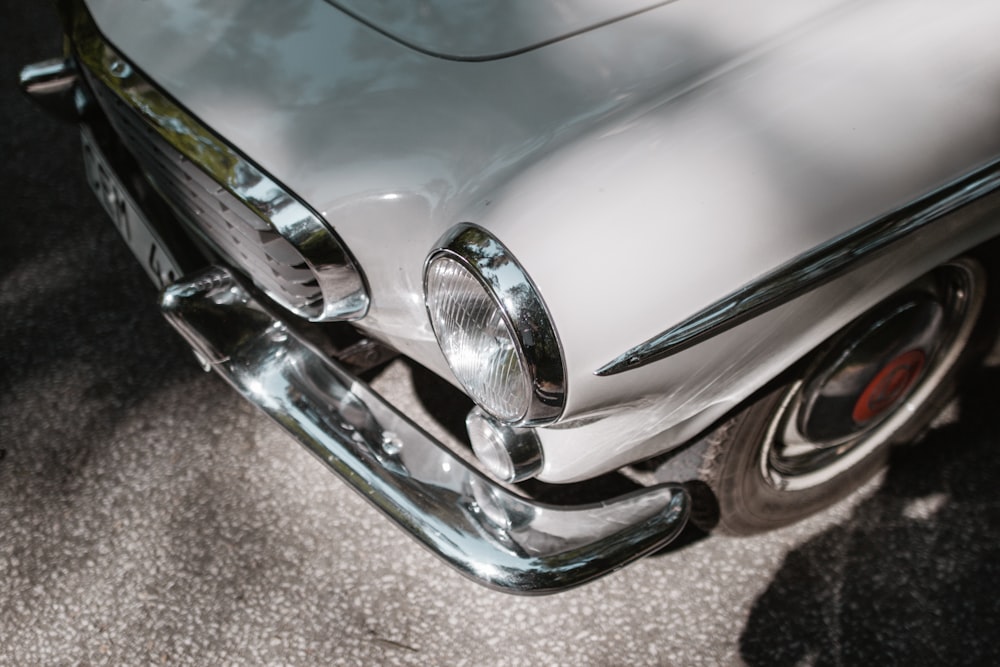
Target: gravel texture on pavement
column 150, row 516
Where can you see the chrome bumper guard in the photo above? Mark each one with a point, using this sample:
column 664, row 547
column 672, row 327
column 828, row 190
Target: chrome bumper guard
column 484, row 530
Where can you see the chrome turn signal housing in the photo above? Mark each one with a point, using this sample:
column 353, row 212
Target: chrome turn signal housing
column 508, row 453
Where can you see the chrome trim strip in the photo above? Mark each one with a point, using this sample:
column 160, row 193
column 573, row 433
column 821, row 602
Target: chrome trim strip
column 511, row 288
column 482, row 529
column 345, row 296
column 808, row 271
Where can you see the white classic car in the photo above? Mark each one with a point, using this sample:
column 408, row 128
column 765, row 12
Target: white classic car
column 728, row 251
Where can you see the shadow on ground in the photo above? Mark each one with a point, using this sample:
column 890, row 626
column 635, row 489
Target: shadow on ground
column 913, row 577
column 82, row 344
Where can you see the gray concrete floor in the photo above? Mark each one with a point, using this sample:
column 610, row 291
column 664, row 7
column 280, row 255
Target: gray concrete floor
column 149, row 516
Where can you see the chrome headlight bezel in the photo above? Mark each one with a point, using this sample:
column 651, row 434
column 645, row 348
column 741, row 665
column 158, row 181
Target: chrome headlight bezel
column 524, row 313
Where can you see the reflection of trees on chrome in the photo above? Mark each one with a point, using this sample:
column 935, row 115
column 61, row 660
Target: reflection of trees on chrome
column 913, row 578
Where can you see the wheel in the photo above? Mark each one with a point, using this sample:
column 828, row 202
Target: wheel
column 825, row 428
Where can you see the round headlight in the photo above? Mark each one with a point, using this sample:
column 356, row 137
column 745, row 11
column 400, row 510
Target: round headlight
column 476, row 340
column 493, row 328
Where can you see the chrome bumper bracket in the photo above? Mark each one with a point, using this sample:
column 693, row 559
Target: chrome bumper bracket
column 488, row 533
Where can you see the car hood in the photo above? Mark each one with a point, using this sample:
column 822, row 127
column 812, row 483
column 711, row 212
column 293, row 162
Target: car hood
column 480, row 30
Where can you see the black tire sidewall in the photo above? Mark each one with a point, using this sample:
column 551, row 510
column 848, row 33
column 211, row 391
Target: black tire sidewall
column 747, row 503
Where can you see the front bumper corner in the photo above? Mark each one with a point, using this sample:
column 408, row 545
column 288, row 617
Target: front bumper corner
column 484, row 530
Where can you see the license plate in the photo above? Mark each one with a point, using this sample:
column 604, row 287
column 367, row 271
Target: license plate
column 142, row 239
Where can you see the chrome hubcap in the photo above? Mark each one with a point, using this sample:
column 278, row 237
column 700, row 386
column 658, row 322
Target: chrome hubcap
column 872, row 378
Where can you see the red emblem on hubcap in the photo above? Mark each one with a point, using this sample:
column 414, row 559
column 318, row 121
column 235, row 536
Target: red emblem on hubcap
column 889, row 386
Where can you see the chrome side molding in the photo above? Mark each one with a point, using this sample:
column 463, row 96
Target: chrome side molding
column 809, row 271
column 487, row 532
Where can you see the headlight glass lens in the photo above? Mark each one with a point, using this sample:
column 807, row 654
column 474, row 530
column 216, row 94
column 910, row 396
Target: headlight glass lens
column 476, row 341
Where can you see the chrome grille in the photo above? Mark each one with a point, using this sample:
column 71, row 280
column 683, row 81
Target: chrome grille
column 284, row 247
column 231, row 227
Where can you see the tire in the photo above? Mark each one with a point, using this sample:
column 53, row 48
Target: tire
column 826, row 426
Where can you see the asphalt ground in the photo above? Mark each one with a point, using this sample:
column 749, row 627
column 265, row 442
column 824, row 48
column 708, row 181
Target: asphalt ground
column 149, row 516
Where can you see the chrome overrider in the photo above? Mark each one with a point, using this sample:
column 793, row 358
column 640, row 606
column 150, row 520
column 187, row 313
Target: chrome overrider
column 54, row 85
column 486, row 531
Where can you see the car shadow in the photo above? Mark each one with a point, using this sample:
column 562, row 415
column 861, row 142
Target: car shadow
column 913, row 576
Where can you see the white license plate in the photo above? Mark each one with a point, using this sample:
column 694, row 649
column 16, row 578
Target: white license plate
column 145, row 243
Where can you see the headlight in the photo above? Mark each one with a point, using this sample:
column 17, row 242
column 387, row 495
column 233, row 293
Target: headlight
column 476, row 341
column 493, row 328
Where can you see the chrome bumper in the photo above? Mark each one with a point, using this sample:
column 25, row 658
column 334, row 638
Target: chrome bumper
column 488, row 533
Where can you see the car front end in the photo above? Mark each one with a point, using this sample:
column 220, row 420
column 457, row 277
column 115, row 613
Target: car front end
column 314, row 188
